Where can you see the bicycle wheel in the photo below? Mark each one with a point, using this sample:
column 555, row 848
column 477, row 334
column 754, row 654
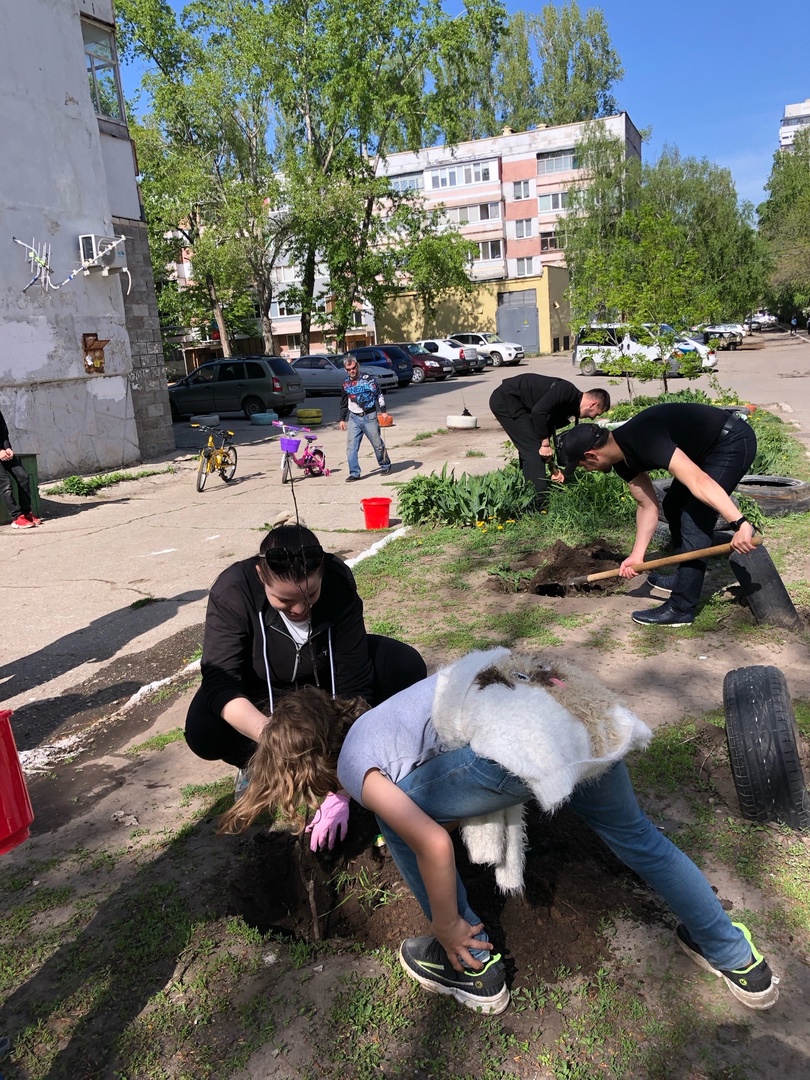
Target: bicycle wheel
column 286, row 469
column 227, row 463
column 204, row 467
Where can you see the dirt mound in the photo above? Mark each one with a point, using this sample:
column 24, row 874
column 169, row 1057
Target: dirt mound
column 558, row 565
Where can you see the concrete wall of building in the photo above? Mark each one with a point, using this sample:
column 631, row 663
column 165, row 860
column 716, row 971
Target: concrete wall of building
column 56, row 187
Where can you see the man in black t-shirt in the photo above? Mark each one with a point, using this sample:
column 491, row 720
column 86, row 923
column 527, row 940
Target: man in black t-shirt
column 707, row 451
column 530, row 408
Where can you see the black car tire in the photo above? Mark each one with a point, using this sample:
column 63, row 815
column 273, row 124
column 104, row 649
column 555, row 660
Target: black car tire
column 496, row 358
column 776, row 496
column 175, row 412
column 587, row 367
column 284, row 410
column 252, row 405
column 419, row 375
column 763, row 747
column 764, row 589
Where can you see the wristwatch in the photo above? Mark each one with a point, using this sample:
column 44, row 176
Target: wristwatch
column 734, row 525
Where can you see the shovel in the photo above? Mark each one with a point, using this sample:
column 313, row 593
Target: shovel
column 653, row 564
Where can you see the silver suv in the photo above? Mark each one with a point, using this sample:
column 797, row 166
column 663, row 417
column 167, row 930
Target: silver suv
column 248, row 384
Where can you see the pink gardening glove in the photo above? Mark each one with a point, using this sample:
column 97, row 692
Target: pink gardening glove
column 331, row 822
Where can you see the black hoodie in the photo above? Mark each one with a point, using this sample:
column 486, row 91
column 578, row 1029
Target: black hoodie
column 233, row 660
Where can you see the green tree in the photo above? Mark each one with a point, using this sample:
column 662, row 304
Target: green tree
column 784, row 220
column 657, row 246
column 579, row 66
column 518, row 101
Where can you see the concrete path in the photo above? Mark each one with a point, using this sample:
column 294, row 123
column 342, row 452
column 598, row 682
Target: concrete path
column 69, row 586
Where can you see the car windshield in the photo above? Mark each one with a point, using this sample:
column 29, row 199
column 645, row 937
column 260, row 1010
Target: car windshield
column 493, row 339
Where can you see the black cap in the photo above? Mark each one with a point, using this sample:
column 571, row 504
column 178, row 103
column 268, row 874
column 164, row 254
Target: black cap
column 574, row 444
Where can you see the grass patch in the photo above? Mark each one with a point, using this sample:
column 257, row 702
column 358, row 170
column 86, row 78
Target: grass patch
column 475, row 453
column 89, row 485
column 144, row 600
column 157, row 742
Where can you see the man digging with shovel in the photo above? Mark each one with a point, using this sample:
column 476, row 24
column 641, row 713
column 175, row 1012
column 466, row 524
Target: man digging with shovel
column 707, row 451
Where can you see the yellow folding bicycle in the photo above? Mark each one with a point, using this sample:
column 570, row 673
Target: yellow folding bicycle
column 216, row 458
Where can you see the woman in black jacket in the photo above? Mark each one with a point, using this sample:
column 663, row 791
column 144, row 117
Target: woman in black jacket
column 288, row 618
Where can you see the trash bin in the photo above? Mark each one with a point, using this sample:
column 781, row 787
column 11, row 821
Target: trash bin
column 29, row 463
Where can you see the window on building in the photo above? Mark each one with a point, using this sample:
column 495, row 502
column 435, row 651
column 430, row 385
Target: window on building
column 292, row 341
column 556, row 161
column 357, row 318
column 463, row 215
column 102, row 71
column 524, row 267
column 520, row 189
column 411, row 182
column 280, row 309
column 549, row 241
column 459, row 175
column 523, row 228
column 557, row 201
column 489, row 249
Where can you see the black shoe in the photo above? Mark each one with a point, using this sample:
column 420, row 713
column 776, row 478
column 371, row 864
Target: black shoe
column 661, row 584
column 485, row 991
column 665, row 615
column 755, row 986
column 385, row 470
column 351, row 479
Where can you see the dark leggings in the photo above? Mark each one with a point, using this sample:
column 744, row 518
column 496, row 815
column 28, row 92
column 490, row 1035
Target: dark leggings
column 396, row 666
column 520, row 430
column 22, row 504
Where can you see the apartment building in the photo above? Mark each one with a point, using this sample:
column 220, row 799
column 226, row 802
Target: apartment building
column 508, row 194
column 796, row 117
column 82, row 381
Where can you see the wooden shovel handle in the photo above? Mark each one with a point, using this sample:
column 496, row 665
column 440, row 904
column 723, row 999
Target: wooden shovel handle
column 685, row 556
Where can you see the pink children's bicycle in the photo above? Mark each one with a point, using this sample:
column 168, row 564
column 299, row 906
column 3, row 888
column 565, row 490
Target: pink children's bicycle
column 312, row 460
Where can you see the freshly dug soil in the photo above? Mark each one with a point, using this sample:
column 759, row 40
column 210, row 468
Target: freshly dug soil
column 571, row 880
column 560, row 564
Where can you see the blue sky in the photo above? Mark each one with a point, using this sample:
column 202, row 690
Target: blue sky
column 711, row 77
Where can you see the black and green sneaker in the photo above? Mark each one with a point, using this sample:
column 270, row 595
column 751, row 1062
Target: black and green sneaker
column 484, row 991
column 755, row 986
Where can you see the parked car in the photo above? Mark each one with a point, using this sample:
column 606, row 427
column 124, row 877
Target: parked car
column 425, row 364
column 602, row 343
column 465, row 358
column 390, row 356
column 248, row 384
column 726, row 335
column 324, row 374
column 495, row 350
column 760, row 320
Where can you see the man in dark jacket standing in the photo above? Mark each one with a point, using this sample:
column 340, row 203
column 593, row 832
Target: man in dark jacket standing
column 11, row 467
column 530, row 408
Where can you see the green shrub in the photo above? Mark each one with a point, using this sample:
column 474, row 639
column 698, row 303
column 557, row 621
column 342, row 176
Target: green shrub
column 444, row 500
column 591, row 506
column 623, row 410
column 778, row 452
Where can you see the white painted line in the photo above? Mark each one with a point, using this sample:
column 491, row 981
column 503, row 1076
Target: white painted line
column 214, row 537
column 165, row 551
column 378, row 546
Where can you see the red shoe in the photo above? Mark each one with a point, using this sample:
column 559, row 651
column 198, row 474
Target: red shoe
column 22, row 522
column 32, row 517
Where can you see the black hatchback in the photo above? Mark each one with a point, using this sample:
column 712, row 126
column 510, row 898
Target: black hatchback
column 391, row 356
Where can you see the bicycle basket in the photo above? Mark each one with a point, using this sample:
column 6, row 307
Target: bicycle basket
column 289, row 446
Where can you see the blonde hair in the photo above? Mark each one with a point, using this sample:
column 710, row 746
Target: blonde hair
column 295, row 761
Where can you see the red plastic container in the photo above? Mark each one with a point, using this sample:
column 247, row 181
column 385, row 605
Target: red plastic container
column 16, row 813
column 377, row 513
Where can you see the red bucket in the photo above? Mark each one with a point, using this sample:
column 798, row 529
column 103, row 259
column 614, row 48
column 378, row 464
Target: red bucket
column 16, row 813
column 376, row 512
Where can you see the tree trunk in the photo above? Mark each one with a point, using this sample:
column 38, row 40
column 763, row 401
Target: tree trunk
column 307, row 291
column 219, row 318
column 264, row 293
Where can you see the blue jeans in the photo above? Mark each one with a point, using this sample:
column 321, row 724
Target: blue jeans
column 356, row 428
column 691, row 522
column 459, row 784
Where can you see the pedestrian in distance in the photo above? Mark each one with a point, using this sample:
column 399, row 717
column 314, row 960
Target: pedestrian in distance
column 11, row 468
column 808, row 324
column 287, row 618
column 530, row 408
column 794, row 322
column 438, row 754
column 359, row 404
column 707, row 451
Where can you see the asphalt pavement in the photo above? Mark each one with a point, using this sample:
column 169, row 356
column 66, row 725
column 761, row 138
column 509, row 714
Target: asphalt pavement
column 109, row 580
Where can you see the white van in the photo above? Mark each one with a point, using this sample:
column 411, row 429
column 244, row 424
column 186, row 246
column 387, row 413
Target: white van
column 603, row 343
